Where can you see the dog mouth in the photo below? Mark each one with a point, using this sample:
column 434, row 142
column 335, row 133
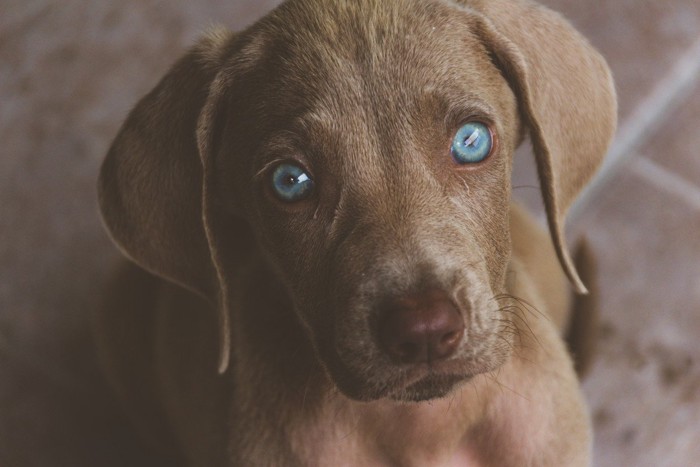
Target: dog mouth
column 411, row 383
column 430, row 387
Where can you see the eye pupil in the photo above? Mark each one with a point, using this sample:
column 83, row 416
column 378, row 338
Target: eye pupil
column 472, row 143
column 291, row 183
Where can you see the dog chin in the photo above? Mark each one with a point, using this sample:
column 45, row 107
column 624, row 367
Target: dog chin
column 429, row 388
column 413, row 384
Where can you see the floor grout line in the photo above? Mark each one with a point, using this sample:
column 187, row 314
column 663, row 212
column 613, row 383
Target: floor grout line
column 667, row 181
column 667, row 93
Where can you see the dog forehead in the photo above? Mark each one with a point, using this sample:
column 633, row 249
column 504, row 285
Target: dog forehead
column 372, row 42
column 327, row 63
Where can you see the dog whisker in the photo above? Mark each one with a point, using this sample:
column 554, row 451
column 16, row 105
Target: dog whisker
column 306, row 391
column 495, row 379
column 526, row 304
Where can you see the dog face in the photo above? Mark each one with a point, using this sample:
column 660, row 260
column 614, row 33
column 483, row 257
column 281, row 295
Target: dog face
column 391, row 213
column 367, row 147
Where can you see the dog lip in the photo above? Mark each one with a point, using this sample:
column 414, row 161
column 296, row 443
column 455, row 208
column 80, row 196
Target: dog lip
column 410, row 383
column 425, row 374
column 429, row 386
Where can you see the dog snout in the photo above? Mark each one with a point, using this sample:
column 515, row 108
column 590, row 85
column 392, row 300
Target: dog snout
column 423, row 327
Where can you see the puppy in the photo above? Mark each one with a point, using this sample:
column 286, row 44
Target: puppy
column 323, row 203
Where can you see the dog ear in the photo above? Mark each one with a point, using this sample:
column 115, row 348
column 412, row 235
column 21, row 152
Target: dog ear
column 566, row 97
column 151, row 189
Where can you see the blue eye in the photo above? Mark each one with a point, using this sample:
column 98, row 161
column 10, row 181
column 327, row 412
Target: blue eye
column 291, row 183
column 472, row 143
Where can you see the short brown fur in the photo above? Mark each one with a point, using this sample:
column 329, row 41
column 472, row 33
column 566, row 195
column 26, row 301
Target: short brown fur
column 367, row 96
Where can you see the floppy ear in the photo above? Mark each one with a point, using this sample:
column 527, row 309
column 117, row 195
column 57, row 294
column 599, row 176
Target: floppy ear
column 566, row 97
column 151, row 189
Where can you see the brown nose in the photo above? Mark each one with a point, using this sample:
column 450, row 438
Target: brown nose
column 421, row 328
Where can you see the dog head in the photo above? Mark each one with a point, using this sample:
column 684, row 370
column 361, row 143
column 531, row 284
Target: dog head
column 364, row 150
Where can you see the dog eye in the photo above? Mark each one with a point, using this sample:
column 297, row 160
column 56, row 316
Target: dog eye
column 291, row 183
column 472, row 143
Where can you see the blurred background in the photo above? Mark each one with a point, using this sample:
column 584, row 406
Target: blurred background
column 71, row 70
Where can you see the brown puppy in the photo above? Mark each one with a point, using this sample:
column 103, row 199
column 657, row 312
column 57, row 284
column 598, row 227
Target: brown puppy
column 325, row 201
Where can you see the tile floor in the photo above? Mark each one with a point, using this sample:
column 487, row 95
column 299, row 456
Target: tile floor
column 69, row 74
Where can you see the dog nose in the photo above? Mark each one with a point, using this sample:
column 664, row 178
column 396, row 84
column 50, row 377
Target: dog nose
column 421, row 328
